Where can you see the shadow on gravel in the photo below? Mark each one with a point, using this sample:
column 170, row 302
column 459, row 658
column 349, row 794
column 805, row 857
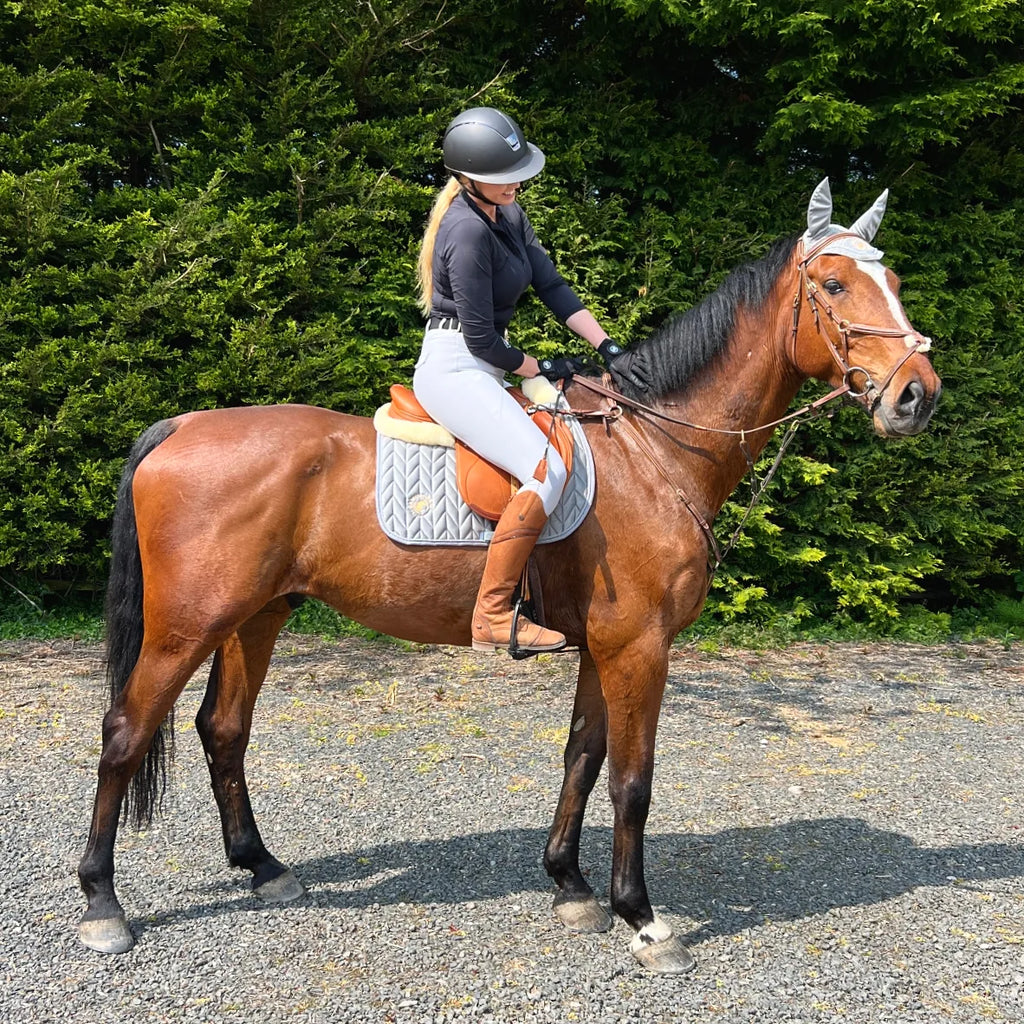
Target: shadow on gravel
column 729, row 881
column 739, row 878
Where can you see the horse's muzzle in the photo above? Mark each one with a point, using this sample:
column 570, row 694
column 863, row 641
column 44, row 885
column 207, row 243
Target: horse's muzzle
column 909, row 411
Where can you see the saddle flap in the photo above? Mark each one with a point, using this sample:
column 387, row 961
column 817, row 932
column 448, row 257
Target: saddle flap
column 486, row 488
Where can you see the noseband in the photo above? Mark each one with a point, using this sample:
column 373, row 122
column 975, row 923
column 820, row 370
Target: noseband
column 870, row 394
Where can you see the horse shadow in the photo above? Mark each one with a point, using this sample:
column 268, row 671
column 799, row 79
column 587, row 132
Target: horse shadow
column 728, row 881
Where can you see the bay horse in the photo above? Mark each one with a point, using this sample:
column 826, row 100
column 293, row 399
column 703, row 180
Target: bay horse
column 226, row 518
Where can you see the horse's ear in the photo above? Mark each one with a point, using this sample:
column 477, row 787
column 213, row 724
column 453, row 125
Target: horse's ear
column 867, row 223
column 819, row 210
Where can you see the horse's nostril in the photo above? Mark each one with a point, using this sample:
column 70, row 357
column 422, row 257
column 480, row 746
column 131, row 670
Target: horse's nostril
column 911, row 398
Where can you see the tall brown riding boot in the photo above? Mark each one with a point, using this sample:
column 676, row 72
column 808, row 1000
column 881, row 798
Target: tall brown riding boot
column 514, row 538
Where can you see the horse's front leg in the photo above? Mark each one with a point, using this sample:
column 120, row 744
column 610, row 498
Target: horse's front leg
column 633, row 682
column 224, row 723
column 576, row 906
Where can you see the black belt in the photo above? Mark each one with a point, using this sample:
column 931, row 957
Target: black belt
column 445, row 323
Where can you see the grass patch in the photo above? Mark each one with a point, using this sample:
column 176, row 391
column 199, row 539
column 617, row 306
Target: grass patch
column 46, row 615
column 314, row 618
column 49, row 616
column 1000, row 619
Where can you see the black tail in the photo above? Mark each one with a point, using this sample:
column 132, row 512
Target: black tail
column 125, row 628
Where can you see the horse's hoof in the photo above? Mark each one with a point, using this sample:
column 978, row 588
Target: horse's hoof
column 581, row 913
column 668, row 957
column 282, row 889
column 660, row 951
column 107, row 935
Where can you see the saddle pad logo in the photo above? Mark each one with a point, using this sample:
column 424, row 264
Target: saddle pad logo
column 420, row 504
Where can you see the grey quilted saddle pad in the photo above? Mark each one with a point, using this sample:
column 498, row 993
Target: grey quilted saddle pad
column 418, row 499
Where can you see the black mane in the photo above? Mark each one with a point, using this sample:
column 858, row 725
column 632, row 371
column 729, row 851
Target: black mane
column 688, row 342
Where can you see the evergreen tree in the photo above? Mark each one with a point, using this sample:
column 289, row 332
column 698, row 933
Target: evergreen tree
column 219, row 202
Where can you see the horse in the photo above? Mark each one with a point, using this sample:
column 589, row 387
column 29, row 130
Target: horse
column 225, row 519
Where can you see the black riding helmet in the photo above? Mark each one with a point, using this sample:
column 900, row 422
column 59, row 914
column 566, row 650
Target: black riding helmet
column 487, row 146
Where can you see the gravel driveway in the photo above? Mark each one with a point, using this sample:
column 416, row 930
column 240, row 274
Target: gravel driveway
column 836, row 830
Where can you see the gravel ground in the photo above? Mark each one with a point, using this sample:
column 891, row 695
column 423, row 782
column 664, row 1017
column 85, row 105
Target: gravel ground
column 836, row 830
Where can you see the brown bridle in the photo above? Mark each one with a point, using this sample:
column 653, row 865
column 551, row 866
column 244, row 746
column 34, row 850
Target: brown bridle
column 870, row 394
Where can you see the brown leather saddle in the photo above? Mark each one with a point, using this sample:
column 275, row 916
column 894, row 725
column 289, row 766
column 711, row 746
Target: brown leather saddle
column 484, row 487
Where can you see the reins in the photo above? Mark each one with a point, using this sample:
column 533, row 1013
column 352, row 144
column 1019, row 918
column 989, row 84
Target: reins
column 716, row 553
column 868, row 396
column 809, row 411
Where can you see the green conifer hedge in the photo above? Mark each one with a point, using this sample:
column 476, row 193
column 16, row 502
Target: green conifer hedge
column 219, row 202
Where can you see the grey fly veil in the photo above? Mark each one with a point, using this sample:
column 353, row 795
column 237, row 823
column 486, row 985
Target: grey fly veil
column 819, row 226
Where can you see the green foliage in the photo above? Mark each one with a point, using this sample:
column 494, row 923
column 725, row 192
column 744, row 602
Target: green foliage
column 214, row 202
column 897, row 75
column 314, row 618
column 48, row 616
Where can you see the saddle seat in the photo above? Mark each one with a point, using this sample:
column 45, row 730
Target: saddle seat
column 484, row 487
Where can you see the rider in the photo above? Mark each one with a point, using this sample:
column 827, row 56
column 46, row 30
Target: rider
column 478, row 256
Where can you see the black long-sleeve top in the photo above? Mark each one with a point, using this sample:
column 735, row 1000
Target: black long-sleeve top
column 481, row 269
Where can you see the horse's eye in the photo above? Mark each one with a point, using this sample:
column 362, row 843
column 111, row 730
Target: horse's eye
column 832, row 286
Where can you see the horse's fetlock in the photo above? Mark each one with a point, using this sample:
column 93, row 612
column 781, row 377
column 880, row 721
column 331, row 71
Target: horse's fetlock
column 90, row 876
column 649, row 934
column 630, row 902
column 557, row 865
column 249, row 853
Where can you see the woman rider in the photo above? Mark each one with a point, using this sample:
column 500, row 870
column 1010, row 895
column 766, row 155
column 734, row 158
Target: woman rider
column 478, row 256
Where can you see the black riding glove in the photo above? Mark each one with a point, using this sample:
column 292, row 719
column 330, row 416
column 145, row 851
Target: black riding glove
column 560, row 368
column 625, row 367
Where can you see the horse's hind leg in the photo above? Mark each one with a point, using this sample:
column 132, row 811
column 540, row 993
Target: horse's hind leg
column 129, row 728
column 224, row 723
column 576, row 906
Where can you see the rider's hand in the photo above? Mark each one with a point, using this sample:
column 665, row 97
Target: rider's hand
column 622, row 365
column 560, row 368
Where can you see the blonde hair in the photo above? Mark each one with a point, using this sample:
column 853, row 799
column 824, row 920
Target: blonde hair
column 425, row 265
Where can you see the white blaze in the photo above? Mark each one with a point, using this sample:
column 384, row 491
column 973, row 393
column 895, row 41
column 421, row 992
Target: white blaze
column 875, row 270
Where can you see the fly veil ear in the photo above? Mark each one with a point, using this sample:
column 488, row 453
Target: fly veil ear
column 867, row 223
column 819, row 213
column 820, row 226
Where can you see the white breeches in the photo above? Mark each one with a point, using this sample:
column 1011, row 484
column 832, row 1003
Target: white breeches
column 467, row 396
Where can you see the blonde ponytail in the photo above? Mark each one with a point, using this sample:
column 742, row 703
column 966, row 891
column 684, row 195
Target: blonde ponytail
column 425, row 266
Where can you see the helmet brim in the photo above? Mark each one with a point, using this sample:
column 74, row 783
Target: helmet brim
column 532, row 163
